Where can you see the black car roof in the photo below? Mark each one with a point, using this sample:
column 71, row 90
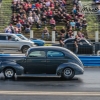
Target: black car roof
column 48, row 47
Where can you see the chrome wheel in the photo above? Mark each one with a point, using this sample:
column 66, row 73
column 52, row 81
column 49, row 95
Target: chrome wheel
column 9, row 73
column 68, row 73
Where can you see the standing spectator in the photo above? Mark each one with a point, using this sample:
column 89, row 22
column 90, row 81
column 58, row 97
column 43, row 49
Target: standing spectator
column 76, row 40
column 12, row 28
column 61, row 39
column 62, row 31
column 8, row 30
column 52, row 22
column 80, row 35
column 45, row 33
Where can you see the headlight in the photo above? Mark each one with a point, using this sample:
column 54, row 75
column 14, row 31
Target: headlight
column 32, row 45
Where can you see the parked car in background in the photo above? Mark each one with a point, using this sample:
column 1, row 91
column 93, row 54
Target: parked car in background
column 84, row 46
column 13, row 42
column 42, row 60
column 37, row 42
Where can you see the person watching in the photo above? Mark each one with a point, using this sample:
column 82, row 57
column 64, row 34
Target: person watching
column 61, row 39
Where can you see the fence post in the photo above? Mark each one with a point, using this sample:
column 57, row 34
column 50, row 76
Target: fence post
column 96, row 36
column 53, row 36
column 75, row 33
column 31, row 33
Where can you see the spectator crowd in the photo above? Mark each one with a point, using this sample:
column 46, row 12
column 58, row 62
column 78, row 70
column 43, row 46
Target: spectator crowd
column 39, row 13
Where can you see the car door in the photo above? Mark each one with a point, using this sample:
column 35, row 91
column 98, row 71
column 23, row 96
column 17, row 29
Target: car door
column 84, row 47
column 70, row 45
column 36, row 62
column 12, row 42
column 3, row 42
column 54, row 59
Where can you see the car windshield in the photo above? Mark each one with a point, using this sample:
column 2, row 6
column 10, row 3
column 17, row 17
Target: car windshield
column 22, row 37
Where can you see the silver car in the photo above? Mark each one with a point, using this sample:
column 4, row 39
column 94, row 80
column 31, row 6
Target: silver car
column 13, row 42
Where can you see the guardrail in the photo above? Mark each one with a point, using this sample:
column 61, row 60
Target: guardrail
column 90, row 60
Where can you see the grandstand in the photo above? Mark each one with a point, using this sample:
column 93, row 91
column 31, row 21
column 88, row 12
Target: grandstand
column 6, row 13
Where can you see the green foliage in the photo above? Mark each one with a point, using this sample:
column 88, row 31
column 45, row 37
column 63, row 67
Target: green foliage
column 5, row 14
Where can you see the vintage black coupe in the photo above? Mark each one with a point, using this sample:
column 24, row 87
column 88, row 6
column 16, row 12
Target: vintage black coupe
column 42, row 60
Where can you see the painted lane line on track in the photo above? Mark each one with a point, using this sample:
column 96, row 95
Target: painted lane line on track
column 49, row 93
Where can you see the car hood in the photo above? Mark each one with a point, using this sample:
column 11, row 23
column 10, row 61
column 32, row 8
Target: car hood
column 27, row 41
column 37, row 40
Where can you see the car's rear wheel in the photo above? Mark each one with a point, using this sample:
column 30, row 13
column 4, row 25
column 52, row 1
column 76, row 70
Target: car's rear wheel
column 68, row 73
column 24, row 49
column 9, row 73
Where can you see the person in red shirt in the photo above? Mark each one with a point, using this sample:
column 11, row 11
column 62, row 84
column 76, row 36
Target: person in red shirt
column 52, row 5
column 52, row 22
column 49, row 13
column 37, row 5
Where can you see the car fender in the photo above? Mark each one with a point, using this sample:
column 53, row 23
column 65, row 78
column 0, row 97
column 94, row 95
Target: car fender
column 24, row 45
column 78, row 69
column 6, row 64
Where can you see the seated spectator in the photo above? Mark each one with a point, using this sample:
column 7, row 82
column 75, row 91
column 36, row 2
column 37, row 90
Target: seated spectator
column 47, row 3
column 68, row 17
column 67, row 24
column 52, row 22
column 39, row 24
column 74, row 11
column 44, row 20
column 29, row 7
column 52, row 6
column 45, row 33
column 36, row 19
column 84, row 24
column 78, row 25
column 30, row 19
column 19, row 26
column 56, row 32
column 14, row 19
column 49, row 13
column 27, row 30
column 72, row 24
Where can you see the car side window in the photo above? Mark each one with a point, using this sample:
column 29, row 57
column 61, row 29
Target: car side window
column 83, row 41
column 70, row 41
column 2, row 37
column 11, row 38
column 55, row 54
column 37, row 54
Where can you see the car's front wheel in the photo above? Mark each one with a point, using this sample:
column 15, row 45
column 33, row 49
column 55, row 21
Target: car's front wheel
column 68, row 73
column 9, row 73
column 24, row 49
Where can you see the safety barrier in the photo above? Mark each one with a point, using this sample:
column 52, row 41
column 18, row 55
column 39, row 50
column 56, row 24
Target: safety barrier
column 90, row 60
